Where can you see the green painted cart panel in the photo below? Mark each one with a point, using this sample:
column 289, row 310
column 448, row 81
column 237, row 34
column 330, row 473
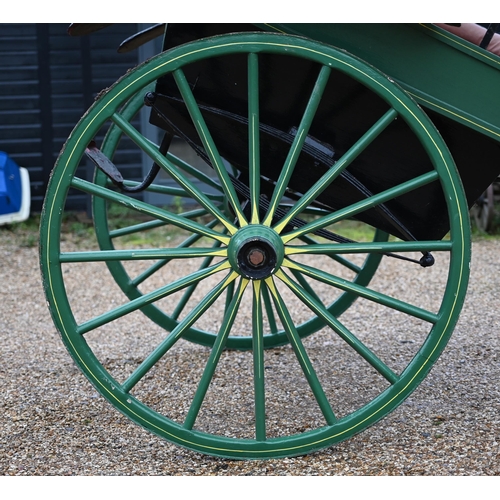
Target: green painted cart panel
column 442, row 72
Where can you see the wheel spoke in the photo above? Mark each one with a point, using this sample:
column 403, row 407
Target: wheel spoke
column 189, row 292
column 153, row 224
column 253, row 135
column 149, row 298
column 258, row 363
column 215, row 354
column 150, row 271
column 341, row 260
column 162, row 161
column 130, row 109
column 317, row 307
column 229, row 296
column 271, row 318
column 363, row 205
column 142, row 254
column 301, row 354
column 161, row 263
column 147, row 209
column 209, row 145
column 305, row 285
column 298, row 142
column 364, row 292
column 370, row 247
column 337, row 168
column 177, row 333
column 190, row 170
column 171, row 191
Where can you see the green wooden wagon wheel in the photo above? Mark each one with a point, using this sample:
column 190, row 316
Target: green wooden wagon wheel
column 157, row 383
column 361, row 272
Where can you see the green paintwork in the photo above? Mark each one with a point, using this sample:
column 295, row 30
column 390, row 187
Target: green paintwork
column 427, row 61
column 223, row 234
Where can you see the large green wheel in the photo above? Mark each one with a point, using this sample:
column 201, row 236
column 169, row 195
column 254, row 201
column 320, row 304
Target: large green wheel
column 358, row 272
column 234, row 404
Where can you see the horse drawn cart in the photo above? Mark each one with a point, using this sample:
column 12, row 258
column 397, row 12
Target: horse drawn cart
column 302, row 129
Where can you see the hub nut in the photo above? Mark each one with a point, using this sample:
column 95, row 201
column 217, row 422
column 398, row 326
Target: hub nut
column 256, row 257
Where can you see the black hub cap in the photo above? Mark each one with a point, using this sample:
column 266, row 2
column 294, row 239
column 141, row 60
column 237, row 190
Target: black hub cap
column 257, row 259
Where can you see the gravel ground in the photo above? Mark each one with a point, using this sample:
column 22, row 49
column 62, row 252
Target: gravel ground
column 54, row 423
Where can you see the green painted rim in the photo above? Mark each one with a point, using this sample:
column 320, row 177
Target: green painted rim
column 121, row 393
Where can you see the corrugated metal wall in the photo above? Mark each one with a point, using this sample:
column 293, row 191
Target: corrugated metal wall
column 47, row 80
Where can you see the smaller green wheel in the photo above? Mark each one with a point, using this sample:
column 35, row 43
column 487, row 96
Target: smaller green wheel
column 238, row 269
column 110, row 236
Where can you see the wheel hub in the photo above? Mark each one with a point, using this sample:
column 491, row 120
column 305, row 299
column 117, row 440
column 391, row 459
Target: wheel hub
column 256, row 251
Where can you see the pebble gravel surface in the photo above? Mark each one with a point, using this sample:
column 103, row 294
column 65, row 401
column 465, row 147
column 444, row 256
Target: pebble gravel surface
column 52, row 421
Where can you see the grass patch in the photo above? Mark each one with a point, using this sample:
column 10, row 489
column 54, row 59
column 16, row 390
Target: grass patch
column 78, row 228
column 354, row 230
column 22, row 234
column 492, row 234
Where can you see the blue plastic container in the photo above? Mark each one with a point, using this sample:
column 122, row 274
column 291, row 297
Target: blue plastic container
column 15, row 197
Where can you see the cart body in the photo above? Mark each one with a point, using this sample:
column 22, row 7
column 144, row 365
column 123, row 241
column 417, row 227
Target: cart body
column 454, row 81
